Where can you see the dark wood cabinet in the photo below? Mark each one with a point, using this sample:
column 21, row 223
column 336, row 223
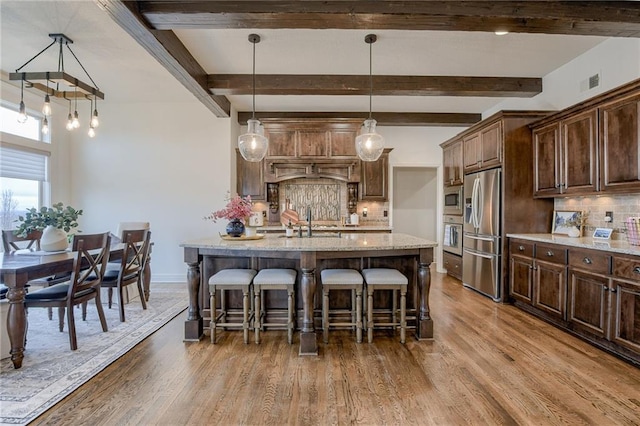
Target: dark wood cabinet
column 565, row 159
column 591, row 293
column 282, row 143
column 590, row 148
column 452, row 162
column 483, row 150
column 453, row 264
column 250, row 178
column 342, row 143
column 620, row 145
column 375, row 178
column 312, row 143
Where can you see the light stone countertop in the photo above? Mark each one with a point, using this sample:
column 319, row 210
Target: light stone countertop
column 328, row 228
column 615, row 246
column 330, row 242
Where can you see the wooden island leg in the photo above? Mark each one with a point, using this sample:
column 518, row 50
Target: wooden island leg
column 308, row 344
column 16, row 324
column 193, row 327
column 424, row 329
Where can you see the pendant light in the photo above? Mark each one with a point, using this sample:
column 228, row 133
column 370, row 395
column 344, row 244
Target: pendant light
column 253, row 144
column 22, row 113
column 369, row 143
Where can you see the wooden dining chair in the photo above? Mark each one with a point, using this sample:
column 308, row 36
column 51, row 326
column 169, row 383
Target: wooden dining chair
column 12, row 242
column 132, row 267
column 89, row 264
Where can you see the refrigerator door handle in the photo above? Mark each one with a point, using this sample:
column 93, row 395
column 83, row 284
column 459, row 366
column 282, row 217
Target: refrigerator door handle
column 486, row 256
column 471, row 237
column 474, row 203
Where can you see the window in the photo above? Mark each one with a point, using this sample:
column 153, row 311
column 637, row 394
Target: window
column 23, row 176
column 31, row 129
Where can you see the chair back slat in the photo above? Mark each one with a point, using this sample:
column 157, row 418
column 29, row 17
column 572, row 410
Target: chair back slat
column 12, row 242
column 136, row 247
column 90, row 263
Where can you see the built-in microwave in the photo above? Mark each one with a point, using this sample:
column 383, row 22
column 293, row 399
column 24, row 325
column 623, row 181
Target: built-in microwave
column 453, row 200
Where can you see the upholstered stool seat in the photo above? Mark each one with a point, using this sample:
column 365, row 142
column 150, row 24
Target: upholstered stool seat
column 273, row 279
column 386, row 279
column 342, row 279
column 231, row 279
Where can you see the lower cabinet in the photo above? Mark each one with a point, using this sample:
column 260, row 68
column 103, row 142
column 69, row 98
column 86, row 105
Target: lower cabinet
column 453, row 264
column 591, row 293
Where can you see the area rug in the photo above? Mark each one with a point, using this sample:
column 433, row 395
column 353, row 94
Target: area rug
column 50, row 370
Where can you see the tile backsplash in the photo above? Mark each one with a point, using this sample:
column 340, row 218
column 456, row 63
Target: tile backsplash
column 622, row 206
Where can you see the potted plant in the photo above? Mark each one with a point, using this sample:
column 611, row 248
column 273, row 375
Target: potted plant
column 54, row 222
column 237, row 211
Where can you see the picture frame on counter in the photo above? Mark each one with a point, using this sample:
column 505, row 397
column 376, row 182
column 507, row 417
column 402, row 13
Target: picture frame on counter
column 567, row 222
column 602, row 233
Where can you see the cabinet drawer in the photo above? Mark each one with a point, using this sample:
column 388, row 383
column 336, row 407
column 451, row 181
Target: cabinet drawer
column 551, row 253
column 626, row 267
column 522, row 248
column 590, row 260
column 453, row 264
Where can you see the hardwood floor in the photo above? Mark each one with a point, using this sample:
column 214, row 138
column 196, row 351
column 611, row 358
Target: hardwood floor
column 488, row 364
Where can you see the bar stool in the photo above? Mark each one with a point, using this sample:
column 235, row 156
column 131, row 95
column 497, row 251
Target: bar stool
column 231, row 279
column 273, row 279
column 386, row 279
column 342, row 279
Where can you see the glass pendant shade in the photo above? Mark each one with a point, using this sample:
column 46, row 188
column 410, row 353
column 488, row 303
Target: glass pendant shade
column 253, row 145
column 46, row 108
column 369, row 144
column 22, row 113
column 94, row 119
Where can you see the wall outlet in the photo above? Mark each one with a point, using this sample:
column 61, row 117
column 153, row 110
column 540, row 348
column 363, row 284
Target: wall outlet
column 608, row 216
column 264, row 213
column 385, row 213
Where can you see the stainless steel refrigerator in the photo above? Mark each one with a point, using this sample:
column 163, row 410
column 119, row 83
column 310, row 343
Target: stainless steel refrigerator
column 481, row 246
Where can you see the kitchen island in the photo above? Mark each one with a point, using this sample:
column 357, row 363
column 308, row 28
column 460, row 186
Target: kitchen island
column 308, row 256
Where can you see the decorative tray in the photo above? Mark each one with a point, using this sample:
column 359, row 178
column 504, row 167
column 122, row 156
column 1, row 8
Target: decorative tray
column 242, row 237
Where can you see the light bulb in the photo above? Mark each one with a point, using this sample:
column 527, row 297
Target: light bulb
column 75, row 122
column 91, row 132
column 46, row 108
column 70, row 122
column 22, row 114
column 94, row 119
column 45, row 126
column 254, row 143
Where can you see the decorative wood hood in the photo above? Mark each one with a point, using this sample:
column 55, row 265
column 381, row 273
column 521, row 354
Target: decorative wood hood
column 344, row 170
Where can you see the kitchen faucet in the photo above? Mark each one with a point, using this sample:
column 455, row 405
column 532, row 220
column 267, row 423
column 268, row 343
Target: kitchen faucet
column 308, row 221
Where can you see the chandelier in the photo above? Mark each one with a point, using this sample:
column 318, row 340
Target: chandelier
column 59, row 84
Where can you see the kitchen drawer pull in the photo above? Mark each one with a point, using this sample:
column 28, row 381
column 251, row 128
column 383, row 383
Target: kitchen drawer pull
column 636, row 269
column 550, row 253
column 587, row 260
column 521, row 248
column 605, row 288
column 613, row 290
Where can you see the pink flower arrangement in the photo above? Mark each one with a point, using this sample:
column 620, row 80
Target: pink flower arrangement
column 237, row 208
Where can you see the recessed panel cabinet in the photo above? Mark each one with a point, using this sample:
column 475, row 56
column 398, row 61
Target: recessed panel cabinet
column 591, row 293
column 453, row 163
column 483, row 150
column 375, row 178
column 590, row 148
column 250, row 178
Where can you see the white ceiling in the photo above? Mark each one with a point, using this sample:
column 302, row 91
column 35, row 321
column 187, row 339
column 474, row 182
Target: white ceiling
column 125, row 72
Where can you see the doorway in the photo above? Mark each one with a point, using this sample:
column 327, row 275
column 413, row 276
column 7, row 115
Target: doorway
column 415, row 201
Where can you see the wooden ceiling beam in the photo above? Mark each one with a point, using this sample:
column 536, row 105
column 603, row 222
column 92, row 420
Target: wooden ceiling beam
column 169, row 51
column 444, row 119
column 383, row 85
column 595, row 18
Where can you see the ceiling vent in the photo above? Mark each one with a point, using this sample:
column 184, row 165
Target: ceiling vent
column 594, row 81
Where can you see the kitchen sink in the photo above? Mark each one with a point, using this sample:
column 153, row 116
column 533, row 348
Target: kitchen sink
column 316, row 235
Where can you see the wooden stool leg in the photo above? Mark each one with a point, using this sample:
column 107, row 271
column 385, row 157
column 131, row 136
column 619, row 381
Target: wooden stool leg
column 223, row 307
column 290, row 319
column 403, row 314
column 353, row 308
column 370, row 314
column 263, row 312
column 358, row 318
column 212, row 300
column 245, row 315
column 394, row 309
column 257, row 320
column 325, row 315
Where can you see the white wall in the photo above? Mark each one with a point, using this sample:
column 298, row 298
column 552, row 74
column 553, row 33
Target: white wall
column 415, row 201
column 166, row 163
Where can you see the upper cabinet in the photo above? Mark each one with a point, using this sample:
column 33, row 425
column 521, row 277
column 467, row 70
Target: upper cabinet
column 250, row 178
column 483, row 149
column 565, row 155
column 590, row 148
column 375, row 178
column 619, row 144
column 452, row 162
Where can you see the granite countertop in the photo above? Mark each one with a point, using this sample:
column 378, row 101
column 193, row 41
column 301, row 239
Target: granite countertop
column 327, row 228
column 327, row 242
column 615, row 246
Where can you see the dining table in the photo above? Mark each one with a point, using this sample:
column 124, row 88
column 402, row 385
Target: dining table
column 16, row 270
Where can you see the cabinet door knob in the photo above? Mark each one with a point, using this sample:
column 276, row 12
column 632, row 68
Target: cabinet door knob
column 636, row 269
column 613, row 290
column 521, row 248
column 587, row 261
column 550, row 253
column 605, row 288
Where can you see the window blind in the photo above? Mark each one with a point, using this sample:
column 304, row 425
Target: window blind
column 22, row 164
